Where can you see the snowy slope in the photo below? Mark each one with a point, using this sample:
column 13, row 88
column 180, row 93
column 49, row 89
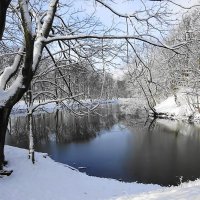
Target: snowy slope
column 181, row 107
column 169, row 106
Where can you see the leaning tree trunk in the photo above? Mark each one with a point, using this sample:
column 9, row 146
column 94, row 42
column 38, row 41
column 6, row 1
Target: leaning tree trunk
column 33, row 51
column 4, row 116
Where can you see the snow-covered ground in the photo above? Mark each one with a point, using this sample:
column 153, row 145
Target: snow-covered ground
column 49, row 180
column 186, row 191
column 182, row 107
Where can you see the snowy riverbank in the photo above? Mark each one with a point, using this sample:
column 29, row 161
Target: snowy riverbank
column 48, row 180
column 21, row 106
column 182, row 106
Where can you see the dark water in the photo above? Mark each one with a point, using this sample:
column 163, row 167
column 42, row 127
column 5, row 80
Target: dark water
column 117, row 145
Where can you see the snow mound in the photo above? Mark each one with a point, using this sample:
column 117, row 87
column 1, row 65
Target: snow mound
column 183, row 105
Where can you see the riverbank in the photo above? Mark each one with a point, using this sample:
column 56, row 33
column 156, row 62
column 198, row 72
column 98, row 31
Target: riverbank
column 48, row 180
column 184, row 105
column 48, row 106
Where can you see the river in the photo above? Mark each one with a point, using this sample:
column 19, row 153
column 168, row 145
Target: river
column 113, row 144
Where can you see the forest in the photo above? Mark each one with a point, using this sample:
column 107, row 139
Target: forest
column 93, row 89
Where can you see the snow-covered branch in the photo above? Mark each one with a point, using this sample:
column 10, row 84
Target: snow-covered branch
column 26, row 19
column 10, row 71
column 48, row 20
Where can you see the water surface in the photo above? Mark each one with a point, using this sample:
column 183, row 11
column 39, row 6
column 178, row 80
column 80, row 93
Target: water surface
column 116, row 145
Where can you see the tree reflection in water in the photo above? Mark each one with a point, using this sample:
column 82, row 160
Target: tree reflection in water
column 116, row 144
column 62, row 126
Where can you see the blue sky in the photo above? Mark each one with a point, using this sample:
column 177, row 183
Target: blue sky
column 125, row 7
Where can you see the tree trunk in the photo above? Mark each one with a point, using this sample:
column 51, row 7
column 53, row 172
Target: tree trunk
column 31, row 139
column 30, row 121
column 4, row 116
column 3, row 8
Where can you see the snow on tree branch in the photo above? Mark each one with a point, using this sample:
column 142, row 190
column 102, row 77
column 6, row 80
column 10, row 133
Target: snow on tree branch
column 26, row 20
column 48, row 20
column 10, row 71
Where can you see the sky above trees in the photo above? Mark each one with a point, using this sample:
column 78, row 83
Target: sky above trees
column 128, row 7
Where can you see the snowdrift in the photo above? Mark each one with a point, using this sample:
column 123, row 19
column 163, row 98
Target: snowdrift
column 182, row 106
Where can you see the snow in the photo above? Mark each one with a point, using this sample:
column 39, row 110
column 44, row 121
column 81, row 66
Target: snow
column 183, row 108
column 37, row 52
column 26, row 15
column 48, row 180
column 4, row 77
column 169, row 106
column 6, row 94
column 186, row 191
column 51, row 106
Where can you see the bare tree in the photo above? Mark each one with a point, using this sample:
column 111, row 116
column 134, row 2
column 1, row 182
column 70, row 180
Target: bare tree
column 46, row 32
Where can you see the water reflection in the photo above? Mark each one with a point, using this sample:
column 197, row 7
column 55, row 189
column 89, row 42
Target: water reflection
column 62, row 126
column 118, row 145
column 164, row 152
